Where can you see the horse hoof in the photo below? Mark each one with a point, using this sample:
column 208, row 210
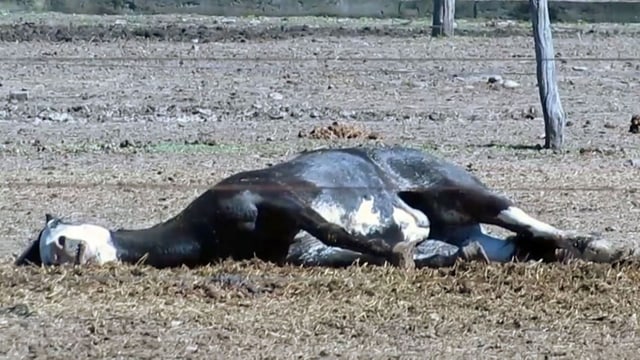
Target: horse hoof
column 402, row 254
column 474, row 251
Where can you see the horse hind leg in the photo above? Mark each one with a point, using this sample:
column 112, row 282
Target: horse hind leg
column 462, row 205
column 419, row 218
column 309, row 220
column 434, row 253
column 309, row 251
column 431, row 253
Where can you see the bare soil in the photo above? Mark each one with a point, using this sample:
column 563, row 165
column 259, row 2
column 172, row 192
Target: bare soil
column 124, row 131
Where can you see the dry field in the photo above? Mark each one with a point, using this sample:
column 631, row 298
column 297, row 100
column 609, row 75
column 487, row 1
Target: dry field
column 128, row 119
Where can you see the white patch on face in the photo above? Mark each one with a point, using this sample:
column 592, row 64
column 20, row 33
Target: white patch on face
column 599, row 250
column 410, row 225
column 515, row 216
column 99, row 248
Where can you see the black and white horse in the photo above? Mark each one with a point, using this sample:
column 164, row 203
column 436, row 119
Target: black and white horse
column 329, row 207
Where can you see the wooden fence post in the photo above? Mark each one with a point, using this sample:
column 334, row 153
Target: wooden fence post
column 443, row 17
column 554, row 116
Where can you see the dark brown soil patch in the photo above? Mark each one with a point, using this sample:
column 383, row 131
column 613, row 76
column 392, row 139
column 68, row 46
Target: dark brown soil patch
column 339, row 131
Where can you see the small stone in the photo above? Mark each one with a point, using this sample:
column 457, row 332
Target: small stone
column 493, row 79
column 58, row 116
column 203, row 112
column 276, row 115
column 295, row 113
column 635, row 124
column 609, row 126
column 436, row 116
column 19, row 95
column 374, row 136
column 633, row 163
column 323, row 353
column 530, row 113
column 579, row 68
column 276, row 96
column 510, row 84
column 126, row 143
column 348, row 114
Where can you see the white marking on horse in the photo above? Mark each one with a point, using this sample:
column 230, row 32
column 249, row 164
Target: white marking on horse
column 410, row 225
column 97, row 242
column 365, row 219
column 330, row 211
column 515, row 216
column 420, row 218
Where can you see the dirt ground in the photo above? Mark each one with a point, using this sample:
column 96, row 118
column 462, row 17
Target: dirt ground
column 125, row 130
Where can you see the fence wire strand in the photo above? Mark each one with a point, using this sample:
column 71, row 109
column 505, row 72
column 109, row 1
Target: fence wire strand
column 234, row 187
column 188, row 61
column 336, row 58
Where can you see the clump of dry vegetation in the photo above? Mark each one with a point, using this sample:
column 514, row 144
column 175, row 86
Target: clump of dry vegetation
column 339, row 131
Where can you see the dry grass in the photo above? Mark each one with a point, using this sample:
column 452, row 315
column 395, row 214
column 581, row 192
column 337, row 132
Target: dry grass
column 371, row 312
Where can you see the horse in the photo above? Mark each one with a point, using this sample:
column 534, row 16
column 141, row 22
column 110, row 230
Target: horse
column 329, row 207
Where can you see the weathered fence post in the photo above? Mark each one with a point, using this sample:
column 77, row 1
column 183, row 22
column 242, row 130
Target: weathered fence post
column 443, row 17
column 554, row 116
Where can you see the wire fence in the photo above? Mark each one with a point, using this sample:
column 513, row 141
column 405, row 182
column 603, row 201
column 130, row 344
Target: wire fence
column 193, row 62
column 335, row 58
column 628, row 76
column 354, row 65
column 257, row 187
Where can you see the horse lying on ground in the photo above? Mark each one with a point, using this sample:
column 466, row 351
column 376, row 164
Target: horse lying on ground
column 328, row 207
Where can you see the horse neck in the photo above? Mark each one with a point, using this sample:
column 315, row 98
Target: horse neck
column 185, row 239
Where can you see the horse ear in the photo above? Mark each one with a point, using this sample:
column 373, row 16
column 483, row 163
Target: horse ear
column 48, row 217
